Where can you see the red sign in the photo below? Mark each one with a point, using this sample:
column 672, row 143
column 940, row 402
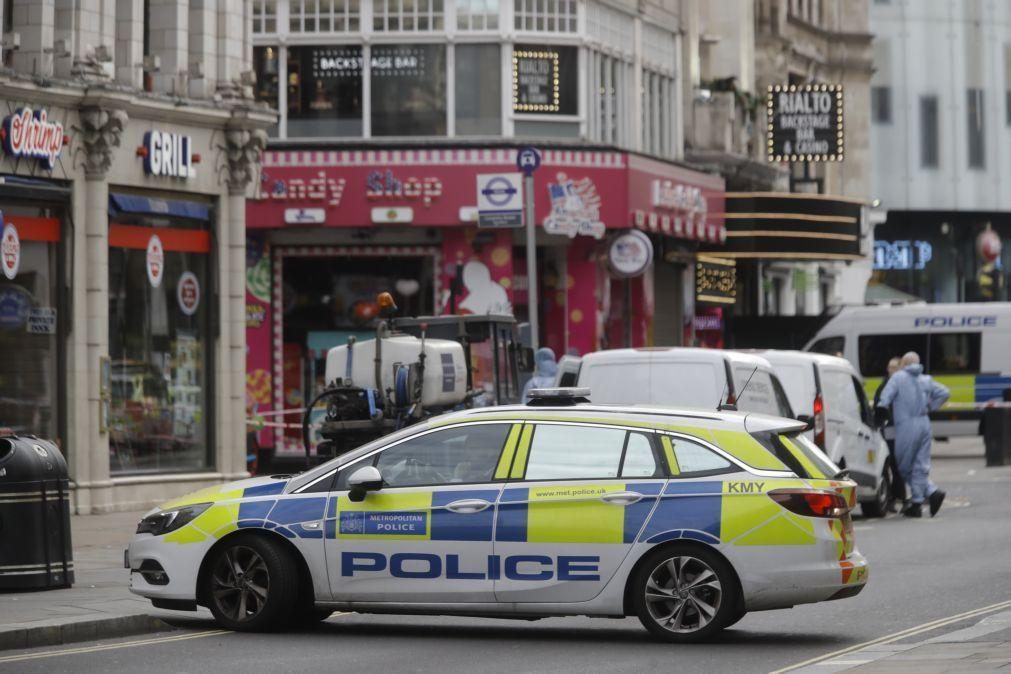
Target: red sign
column 155, row 261
column 675, row 201
column 10, row 251
column 575, row 191
column 188, row 293
column 29, row 133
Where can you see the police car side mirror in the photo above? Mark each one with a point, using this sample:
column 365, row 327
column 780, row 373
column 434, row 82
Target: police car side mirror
column 362, row 481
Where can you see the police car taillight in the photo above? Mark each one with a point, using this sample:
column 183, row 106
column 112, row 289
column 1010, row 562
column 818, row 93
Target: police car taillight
column 811, row 502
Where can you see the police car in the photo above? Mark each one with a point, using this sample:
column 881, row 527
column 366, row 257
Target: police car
column 686, row 519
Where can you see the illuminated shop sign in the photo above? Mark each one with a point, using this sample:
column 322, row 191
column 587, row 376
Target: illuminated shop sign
column 29, row 133
column 168, row 154
column 543, row 80
column 715, row 280
column 805, row 122
column 902, row 255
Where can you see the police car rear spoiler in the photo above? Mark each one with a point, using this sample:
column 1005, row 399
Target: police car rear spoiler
column 763, row 423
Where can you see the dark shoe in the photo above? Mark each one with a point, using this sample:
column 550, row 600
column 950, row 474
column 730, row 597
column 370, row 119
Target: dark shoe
column 913, row 510
column 936, row 499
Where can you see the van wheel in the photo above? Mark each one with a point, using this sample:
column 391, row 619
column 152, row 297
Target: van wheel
column 883, row 497
column 685, row 594
column 251, row 584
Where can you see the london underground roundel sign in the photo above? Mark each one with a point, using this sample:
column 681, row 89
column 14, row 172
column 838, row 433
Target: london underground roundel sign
column 155, row 261
column 10, row 250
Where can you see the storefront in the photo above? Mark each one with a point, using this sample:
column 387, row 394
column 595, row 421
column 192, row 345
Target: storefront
column 331, row 228
column 122, row 223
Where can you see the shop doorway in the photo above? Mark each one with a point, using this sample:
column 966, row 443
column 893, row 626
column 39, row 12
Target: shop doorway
column 323, row 295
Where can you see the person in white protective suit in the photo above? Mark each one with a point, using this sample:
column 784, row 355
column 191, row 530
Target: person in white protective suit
column 912, row 396
column 545, row 369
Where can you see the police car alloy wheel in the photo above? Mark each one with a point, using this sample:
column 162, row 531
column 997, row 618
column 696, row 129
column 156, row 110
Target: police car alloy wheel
column 686, row 594
column 251, row 584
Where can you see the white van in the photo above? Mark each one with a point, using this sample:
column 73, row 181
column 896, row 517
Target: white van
column 829, row 391
column 966, row 347
column 678, row 376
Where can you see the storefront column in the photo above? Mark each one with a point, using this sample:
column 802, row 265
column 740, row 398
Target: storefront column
column 101, row 130
column 244, row 149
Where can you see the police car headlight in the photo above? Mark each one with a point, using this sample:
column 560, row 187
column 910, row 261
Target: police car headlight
column 170, row 520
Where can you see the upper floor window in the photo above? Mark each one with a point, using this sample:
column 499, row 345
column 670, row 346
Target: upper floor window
column 977, row 143
column 265, row 16
column 546, row 16
column 407, row 15
column 881, row 104
column 477, row 14
column 324, row 16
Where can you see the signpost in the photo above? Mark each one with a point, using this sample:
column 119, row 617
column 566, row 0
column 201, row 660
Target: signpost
column 528, row 160
column 499, row 200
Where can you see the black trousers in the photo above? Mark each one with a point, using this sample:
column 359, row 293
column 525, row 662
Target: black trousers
column 898, row 484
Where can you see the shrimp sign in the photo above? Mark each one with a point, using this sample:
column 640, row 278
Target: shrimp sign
column 29, row 133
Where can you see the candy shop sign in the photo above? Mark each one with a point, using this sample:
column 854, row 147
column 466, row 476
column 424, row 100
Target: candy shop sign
column 382, row 185
column 29, row 133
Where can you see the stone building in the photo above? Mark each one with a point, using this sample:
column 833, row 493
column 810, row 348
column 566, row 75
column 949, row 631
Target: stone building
column 797, row 228
column 130, row 138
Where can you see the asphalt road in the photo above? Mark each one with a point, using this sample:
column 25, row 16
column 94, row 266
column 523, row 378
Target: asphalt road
column 921, row 570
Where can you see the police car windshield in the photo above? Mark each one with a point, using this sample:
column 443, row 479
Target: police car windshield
column 308, row 476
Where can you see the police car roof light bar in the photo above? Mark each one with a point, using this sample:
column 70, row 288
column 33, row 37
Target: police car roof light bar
column 562, row 395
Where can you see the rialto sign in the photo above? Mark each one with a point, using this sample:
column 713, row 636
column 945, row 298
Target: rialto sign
column 168, row 154
column 29, row 133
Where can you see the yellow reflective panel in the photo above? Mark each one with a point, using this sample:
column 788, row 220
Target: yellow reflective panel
column 809, row 466
column 750, row 517
column 745, row 448
column 520, row 462
column 668, row 451
column 208, row 494
column 574, row 513
column 506, row 460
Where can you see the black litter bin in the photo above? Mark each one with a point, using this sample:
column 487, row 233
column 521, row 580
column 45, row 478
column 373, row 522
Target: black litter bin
column 997, row 434
column 35, row 550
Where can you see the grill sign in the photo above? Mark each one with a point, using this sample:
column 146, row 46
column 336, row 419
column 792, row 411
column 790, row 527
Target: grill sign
column 168, row 154
column 805, row 122
column 29, row 133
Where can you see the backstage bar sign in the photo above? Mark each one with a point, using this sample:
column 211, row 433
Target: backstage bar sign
column 805, row 122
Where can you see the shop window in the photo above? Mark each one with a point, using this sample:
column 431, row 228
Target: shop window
column 407, row 15
column 29, row 358
column 160, row 342
column 267, row 80
column 876, row 350
column 325, row 91
column 408, row 90
column 477, row 14
column 478, row 90
column 546, row 16
column 265, row 15
column 545, row 80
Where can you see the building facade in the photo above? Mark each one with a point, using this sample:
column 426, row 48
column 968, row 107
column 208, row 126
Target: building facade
column 390, row 112
column 129, row 140
column 796, row 225
column 941, row 132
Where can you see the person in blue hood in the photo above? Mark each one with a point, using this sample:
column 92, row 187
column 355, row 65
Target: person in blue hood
column 912, row 396
column 545, row 369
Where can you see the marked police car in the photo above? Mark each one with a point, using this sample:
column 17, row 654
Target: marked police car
column 685, row 519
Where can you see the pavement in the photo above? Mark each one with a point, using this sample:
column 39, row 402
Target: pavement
column 939, row 601
column 98, row 605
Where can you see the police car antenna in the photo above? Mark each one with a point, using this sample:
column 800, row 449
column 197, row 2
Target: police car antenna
column 745, row 387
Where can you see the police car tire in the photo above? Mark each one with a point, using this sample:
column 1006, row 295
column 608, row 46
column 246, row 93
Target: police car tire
column 281, row 590
column 728, row 612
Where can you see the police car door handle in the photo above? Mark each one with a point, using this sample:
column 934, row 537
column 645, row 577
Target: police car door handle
column 468, row 505
column 621, row 497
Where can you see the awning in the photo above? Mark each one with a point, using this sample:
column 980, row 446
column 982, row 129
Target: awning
column 131, row 203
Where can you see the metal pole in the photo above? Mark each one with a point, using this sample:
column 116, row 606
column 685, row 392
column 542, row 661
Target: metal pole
column 533, row 309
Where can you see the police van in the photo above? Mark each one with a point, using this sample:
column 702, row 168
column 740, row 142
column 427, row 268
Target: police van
column 963, row 346
column 685, row 519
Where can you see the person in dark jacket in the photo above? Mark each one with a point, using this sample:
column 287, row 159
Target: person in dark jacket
column 898, row 484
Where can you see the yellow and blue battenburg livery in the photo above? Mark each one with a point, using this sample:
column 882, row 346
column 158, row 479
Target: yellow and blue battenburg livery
column 686, row 519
